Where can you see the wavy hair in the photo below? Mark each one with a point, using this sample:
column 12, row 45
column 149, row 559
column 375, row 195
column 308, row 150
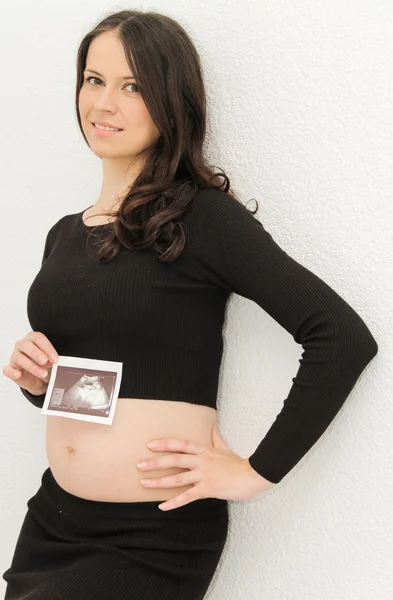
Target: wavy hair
column 168, row 71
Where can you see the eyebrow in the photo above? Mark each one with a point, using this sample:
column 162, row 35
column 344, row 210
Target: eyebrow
column 97, row 73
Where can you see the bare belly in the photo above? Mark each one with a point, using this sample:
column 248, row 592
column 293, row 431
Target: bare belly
column 98, row 462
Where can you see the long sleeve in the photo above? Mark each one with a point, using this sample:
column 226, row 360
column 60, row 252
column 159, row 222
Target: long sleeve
column 235, row 251
column 38, row 401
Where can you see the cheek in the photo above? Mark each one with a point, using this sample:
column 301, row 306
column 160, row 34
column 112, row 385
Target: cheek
column 145, row 118
column 84, row 106
column 142, row 126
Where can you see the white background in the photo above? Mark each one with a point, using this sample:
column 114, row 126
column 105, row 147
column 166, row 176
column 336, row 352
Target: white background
column 300, row 114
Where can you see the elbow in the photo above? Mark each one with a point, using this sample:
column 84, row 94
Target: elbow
column 358, row 338
column 354, row 341
column 372, row 347
column 367, row 343
column 365, row 346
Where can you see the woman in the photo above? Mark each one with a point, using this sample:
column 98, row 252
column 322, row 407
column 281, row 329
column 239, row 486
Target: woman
column 151, row 292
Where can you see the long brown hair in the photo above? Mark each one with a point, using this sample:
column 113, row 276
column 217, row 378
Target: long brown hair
column 168, row 71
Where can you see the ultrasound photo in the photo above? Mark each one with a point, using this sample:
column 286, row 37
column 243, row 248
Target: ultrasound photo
column 84, row 389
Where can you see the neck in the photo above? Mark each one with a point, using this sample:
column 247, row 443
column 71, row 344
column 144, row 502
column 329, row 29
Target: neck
column 118, row 176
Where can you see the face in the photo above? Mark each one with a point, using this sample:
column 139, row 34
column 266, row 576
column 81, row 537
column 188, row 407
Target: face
column 109, row 97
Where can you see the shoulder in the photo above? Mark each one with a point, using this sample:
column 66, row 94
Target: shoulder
column 216, row 200
column 214, row 208
column 64, row 222
column 57, row 228
column 60, row 222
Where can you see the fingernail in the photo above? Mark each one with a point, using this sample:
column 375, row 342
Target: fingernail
column 53, row 357
column 153, row 444
column 142, row 464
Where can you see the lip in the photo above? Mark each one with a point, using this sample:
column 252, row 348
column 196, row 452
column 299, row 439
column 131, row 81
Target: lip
column 106, row 124
column 104, row 132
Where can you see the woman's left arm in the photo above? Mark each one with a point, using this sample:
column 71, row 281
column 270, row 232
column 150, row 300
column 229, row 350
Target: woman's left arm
column 236, row 252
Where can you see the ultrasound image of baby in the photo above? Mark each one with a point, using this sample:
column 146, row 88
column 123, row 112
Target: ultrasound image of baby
column 86, row 393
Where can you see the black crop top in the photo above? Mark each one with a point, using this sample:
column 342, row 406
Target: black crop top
column 164, row 321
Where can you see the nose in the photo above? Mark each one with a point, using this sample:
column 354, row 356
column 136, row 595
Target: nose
column 104, row 102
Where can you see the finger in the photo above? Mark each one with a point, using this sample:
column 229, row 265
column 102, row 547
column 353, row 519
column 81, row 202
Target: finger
column 41, row 342
column 181, row 500
column 28, row 347
column 178, row 480
column 20, row 360
column 182, row 461
column 11, row 372
column 177, row 445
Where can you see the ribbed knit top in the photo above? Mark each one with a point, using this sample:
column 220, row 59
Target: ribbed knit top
column 164, row 321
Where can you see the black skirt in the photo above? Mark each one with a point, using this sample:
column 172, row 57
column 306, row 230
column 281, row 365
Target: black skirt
column 71, row 548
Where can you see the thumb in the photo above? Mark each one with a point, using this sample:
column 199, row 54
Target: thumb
column 218, row 441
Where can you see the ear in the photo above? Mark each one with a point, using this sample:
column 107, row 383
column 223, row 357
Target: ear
column 217, row 440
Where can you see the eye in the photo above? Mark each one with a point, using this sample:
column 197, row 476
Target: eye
column 97, row 79
column 88, row 78
column 133, row 84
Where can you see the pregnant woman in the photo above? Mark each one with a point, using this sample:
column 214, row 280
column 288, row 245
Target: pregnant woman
column 143, row 277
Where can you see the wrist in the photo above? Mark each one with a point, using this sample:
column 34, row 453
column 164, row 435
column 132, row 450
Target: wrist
column 37, row 392
column 262, row 484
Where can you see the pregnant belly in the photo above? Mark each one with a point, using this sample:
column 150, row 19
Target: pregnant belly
column 98, row 462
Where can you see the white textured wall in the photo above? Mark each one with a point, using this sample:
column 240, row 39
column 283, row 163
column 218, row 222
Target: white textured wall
column 300, row 100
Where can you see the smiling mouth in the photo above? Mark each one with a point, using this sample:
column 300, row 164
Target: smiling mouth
column 104, row 129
